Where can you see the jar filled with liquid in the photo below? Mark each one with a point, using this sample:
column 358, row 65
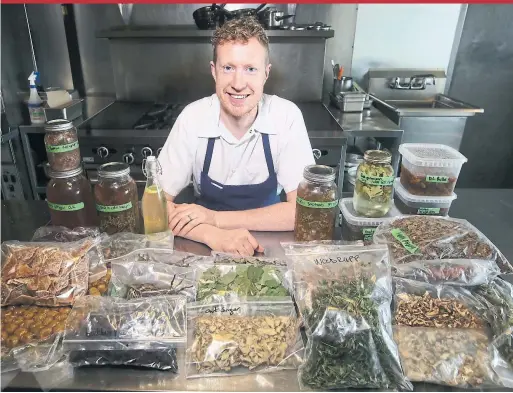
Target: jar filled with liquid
column 70, row 199
column 154, row 204
column 116, row 199
column 373, row 189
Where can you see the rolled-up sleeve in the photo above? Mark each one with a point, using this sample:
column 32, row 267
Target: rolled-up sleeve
column 294, row 152
column 176, row 157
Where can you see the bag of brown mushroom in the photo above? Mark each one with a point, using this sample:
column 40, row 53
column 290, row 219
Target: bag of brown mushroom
column 242, row 336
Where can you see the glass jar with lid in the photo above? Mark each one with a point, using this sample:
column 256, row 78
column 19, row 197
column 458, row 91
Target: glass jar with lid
column 70, row 199
column 116, row 199
column 61, row 143
column 316, row 204
column 373, row 189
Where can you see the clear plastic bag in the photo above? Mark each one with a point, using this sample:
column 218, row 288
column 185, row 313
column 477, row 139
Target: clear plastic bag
column 231, row 259
column 47, row 274
column 318, row 246
column 243, row 336
column 498, row 300
column 55, row 375
column 463, row 272
column 7, row 376
column 121, row 244
column 502, row 355
column 420, row 238
column 169, row 257
column 344, row 297
column 64, row 234
column 131, row 280
column 232, row 281
column 106, row 323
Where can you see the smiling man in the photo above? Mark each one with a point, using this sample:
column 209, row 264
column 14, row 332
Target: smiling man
column 241, row 147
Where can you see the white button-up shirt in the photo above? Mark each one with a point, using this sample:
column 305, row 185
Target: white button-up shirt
column 234, row 161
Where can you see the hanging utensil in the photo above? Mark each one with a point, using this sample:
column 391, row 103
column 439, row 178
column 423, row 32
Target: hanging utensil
column 34, row 63
column 340, row 73
column 126, row 12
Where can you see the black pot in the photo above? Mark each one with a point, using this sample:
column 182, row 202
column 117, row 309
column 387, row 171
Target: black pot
column 243, row 12
column 209, row 17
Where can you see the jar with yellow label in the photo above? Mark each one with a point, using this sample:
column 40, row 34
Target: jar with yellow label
column 373, row 189
column 316, row 204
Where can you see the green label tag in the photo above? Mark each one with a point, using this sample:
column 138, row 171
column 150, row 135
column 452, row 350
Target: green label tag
column 437, row 179
column 62, row 148
column 316, row 205
column 368, row 233
column 428, row 210
column 405, row 240
column 66, row 208
column 114, row 208
column 376, row 180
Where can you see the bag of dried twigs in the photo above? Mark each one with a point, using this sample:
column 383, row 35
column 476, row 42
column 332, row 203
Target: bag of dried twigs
column 443, row 334
column 231, row 259
column 426, row 238
column 167, row 256
column 144, row 332
column 121, row 244
column 132, row 280
column 242, row 336
column 344, row 297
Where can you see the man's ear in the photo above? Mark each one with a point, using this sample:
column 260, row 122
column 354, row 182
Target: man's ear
column 267, row 71
column 213, row 70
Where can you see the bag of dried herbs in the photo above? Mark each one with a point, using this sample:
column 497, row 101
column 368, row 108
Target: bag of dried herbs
column 121, row 244
column 443, row 334
column 167, row 256
column 143, row 332
column 242, row 336
column 317, row 246
column 425, row 238
column 344, row 297
column 132, row 280
column 232, row 281
column 230, row 259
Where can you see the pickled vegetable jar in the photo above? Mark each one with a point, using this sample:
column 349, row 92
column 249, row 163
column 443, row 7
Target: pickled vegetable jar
column 373, row 190
column 116, row 199
column 70, row 199
column 61, row 143
column 316, row 204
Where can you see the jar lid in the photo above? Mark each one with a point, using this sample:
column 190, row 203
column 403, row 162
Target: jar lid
column 319, row 173
column 113, row 170
column 378, row 156
column 64, row 174
column 58, row 125
column 432, row 155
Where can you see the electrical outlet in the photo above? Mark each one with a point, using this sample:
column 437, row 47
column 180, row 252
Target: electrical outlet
column 11, row 184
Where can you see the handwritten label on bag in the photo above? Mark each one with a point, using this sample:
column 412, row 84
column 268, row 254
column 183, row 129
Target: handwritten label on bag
column 437, row 179
column 404, row 240
column 114, row 208
column 368, row 233
column 62, row 148
column 324, row 261
column 316, row 205
column 428, row 210
column 222, row 309
column 66, row 208
column 376, row 180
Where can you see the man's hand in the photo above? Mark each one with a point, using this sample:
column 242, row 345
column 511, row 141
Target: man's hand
column 184, row 217
column 234, row 241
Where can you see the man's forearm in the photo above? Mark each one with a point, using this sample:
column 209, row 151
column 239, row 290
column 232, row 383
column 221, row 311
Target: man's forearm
column 277, row 217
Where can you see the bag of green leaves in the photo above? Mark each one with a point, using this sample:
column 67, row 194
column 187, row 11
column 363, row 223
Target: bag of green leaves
column 242, row 336
column 231, row 259
column 443, row 334
column 233, row 281
column 344, row 297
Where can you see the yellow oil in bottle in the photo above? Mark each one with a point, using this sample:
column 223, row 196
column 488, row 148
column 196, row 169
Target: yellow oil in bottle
column 154, row 206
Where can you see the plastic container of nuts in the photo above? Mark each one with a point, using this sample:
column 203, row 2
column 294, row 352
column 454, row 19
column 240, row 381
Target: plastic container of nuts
column 430, row 169
column 422, row 205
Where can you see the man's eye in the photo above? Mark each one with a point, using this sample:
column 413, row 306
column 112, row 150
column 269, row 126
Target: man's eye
column 227, row 68
column 252, row 69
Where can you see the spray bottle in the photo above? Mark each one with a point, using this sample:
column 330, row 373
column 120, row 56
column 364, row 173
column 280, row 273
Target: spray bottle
column 35, row 103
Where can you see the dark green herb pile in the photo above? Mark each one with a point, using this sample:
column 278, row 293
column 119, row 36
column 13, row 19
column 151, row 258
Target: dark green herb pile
column 347, row 348
column 244, row 280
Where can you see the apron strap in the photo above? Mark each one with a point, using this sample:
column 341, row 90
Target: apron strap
column 268, row 155
column 208, row 155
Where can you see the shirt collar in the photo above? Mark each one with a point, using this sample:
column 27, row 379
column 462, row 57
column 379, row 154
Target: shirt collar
column 212, row 125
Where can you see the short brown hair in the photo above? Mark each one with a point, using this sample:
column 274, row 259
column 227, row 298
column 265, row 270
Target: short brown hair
column 240, row 30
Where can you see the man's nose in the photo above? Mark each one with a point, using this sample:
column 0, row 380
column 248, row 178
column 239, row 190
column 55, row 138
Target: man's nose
column 239, row 80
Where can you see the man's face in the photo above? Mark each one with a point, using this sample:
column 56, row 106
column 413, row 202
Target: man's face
column 240, row 73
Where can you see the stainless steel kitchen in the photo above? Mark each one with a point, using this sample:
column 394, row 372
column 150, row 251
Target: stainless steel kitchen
column 407, row 111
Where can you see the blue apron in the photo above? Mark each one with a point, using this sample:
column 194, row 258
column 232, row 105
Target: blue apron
column 221, row 197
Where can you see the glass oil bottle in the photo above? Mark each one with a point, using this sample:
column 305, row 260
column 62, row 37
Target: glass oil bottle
column 154, row 206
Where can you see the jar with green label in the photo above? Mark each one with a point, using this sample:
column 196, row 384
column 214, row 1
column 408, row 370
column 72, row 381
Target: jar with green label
column 70, row 199
column 61, row 144
column 316, row 204
column 374, row 185
column 116, row 199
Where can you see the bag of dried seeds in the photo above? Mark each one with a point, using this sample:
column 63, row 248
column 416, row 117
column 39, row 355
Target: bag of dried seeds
column 344, row 297
column 428, row 238
column 45, row 273
column 132, row 280
column 230, row 259
column 122, row 244
column 443, row 335
column 232, row 281
column 243, row 336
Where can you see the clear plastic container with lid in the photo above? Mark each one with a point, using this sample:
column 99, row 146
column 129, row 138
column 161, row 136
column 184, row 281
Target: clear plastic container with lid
column 421, row 205
column 61, row 144
column 116, row 199
column 316, row 204
column 430, row 169
column 70, row 199
column 355, row 227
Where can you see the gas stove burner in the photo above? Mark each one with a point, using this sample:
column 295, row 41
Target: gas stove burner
column 157, row 110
